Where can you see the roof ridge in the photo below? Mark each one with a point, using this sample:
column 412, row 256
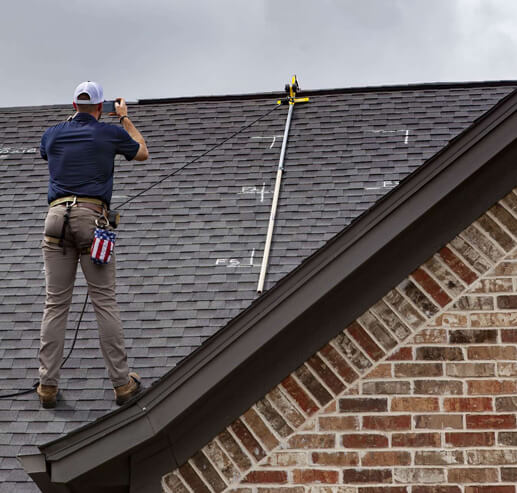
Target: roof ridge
column 322, row 92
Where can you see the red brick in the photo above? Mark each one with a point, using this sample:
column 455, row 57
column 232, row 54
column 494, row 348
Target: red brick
column 457, row 266
column 491, row 353
column 509, row 474
column 391, row 320
column 403, row 354
column 273, row 417
column 365, row 341
column 312, row 441
column 439, row 421
column 415, row 404
column 464, row 475
column 299, row 395
column 292, row 489
column 497, row 319
column 490, row 489
column 507, row 438
column 483, row 421
column 373, row 327
column 436, row 489
column 309, row 382
column 438, row 353
column 509, row 335
column 438, row 387
column 405, row 310
column 285, row 407
column 391, row 458
column 279, row 477
column 402, row 422
column 234, row 451
column 208, row 472
column 174, row 484
column 339, row 364
column 496, row 232
column 506, row 403
column 320, row 476
column 504, row 216
column 335, row 458
column 247, row 439
column 338, row 423
column 470, row 439
column 462, row 404
column 419, row 298
column 418, row 369
column 382, row 489
column 473, row 336
column 192, row 479
column 431, row 287
column 362, row 405
column 471, row 255
column 326, row 374
column 470, row 369
column 386, row 387
column 450, row 320
column 491, row 387
column 268, row 440
column 357, row 476
column 364, row 441
column 380, row 371
column 431, row 336
column 438, row 457
column 416, row 440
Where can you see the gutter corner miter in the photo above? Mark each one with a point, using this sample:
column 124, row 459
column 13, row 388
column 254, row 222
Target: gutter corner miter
column 36, row 467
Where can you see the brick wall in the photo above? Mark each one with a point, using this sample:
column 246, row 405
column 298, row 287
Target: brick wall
column 418, row 395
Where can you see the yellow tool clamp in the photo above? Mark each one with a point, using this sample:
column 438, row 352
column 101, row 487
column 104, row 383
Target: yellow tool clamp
column 292, row 89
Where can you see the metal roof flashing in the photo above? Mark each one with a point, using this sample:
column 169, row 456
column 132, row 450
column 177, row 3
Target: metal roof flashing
column 175, row 410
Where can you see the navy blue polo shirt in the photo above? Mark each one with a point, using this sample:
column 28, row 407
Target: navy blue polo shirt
column 80, row 155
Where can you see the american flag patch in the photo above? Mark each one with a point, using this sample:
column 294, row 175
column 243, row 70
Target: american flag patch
column 102, row 246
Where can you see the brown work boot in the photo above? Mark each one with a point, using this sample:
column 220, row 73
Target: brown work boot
column 130, row 389
column 47, row 395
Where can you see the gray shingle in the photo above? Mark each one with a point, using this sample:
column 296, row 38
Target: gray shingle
column 189, row 250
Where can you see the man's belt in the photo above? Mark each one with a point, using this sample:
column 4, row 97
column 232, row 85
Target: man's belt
column 88, row 202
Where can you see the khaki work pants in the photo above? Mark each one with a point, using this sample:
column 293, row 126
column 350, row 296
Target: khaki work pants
column 60, row 272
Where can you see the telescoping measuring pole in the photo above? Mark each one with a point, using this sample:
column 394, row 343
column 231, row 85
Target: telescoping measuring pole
column 292, row 100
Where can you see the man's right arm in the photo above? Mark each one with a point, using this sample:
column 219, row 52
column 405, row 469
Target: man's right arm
column 121, row 109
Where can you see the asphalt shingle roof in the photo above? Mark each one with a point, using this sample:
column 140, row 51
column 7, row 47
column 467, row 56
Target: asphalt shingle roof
column 189, row 249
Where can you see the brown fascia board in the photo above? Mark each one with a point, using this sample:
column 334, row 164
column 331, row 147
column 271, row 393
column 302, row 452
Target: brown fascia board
column 244, row 360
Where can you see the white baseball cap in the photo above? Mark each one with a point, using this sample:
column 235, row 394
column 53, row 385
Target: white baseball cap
column 93, row 90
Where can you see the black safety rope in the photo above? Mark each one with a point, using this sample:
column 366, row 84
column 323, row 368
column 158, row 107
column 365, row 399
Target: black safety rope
column 161, row 180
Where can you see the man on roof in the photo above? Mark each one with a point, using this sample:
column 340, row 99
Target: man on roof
column 80, row 154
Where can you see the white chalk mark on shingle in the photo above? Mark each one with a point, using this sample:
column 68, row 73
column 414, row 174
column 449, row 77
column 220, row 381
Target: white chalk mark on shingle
column 273, row 137
column 18, row 150
column 234, row 262
column 385, row 184
column 405, row 131
column 255, row 191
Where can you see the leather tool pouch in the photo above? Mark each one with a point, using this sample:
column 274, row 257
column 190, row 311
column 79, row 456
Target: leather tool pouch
column 113, row 218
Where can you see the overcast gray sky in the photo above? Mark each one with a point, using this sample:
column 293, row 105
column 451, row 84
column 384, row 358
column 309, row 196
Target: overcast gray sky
column 141, row 49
